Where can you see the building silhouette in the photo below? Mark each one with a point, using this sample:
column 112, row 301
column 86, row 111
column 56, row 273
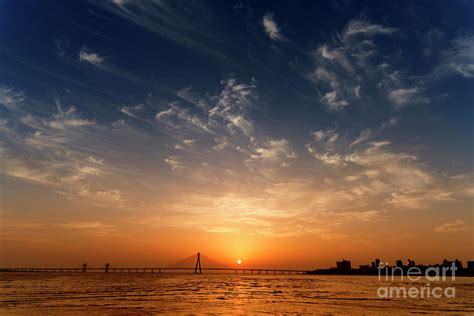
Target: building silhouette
column 343, row 266
column 376, row 268
column 470, row 266
column 458, row 264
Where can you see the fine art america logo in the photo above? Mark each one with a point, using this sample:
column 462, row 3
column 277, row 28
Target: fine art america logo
column 417, row 288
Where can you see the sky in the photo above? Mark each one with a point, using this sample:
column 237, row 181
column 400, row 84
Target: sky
column 282, row 133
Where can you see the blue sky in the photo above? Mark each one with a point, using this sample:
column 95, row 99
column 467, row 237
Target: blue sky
column 268, row 118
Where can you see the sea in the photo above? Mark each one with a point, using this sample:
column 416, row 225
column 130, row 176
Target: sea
column 30, row 293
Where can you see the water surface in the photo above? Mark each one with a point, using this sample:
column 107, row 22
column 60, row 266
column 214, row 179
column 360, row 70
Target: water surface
column 101, row 293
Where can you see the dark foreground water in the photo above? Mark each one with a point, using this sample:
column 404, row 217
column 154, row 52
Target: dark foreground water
column 139, row 293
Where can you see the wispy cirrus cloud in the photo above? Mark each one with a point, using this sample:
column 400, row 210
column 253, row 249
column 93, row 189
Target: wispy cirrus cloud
column 181, row 118
column 10, row 98
column 371, row 169
column 334, row 101
column 350, row 71
column 88, row 56
column 402, row 97
column 458, row 58
column 174, row 20
column 224, row 113
column 274, row 150
column 345, row 68
column 271, row 27
column 430, row 41
column 222, row 122
column 270, row 156
column 133, row 111
column 359, row 27
column 73, row 155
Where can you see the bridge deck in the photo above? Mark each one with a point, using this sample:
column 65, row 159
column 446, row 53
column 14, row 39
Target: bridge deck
column 157, row 270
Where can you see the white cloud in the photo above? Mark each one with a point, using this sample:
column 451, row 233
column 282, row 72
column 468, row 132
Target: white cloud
column 67, row 174
column 132, row 111
column 95, row 160
column 173, row 20
column 98, row 228
column 276, row 151
column 188, row 95
column 431, row 40
column 345, row 67
column 68, row 119
column 452, row 227
column 165, row 113
column 10, row 98
column 336, row 56
column 177, row 117
column 357, row 91
column 328, row 158
column 393, row 121
column 333, row 101
column 85, row 225
column 119, row 2
column 65, row 152
column 361, row 27
column 240, row 123
column 271, row 27
column 329, row 136
column 189, row 142
column 402, row 97
column 234, row 98
column 324, row 147
column 279, row 209
column 270, row 156
column 232, row 105
column 174, row 162
column 326, row 76
column 41, row 140
column 196, row 123
column 363, row 137
column 458, row 58
column 90, row 57
column 370, row 168
column 185, row 144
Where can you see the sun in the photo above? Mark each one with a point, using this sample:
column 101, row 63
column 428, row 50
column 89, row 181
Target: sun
column 239, row 261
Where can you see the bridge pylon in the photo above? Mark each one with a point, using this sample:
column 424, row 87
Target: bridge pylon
column 198, row 264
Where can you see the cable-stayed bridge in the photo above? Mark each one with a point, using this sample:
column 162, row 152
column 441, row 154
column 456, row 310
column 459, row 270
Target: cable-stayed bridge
column 196, row 263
